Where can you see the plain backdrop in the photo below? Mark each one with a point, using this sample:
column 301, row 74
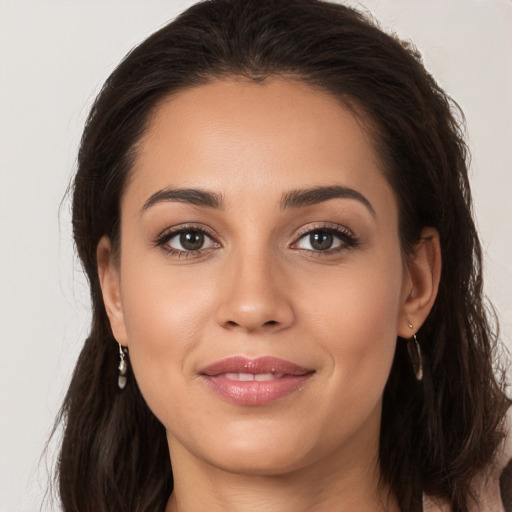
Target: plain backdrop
column 54, row 56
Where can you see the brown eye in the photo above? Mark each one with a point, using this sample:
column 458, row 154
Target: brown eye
column 191, row 240
column 188, row 240
column 321, row 240
column 326, row 240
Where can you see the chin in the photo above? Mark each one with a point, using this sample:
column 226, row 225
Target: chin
column 260, row 461
column 262, row 450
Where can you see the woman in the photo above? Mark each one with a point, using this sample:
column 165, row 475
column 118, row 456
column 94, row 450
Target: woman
column 273, row 211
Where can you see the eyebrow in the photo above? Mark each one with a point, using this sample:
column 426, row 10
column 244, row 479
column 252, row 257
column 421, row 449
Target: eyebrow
column 193, row 196
column 316, row 195
column 293, row 199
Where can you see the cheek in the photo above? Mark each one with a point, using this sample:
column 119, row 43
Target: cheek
column 352, row 318
column 163, row 299
column 354, row 314
column 164, row 311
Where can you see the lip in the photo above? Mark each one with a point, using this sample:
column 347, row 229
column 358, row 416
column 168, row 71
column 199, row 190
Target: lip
column 280, row 378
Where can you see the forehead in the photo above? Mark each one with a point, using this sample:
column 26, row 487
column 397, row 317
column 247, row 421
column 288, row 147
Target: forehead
column 241, row 136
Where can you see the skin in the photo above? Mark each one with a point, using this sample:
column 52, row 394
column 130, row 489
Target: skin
column 257, row 288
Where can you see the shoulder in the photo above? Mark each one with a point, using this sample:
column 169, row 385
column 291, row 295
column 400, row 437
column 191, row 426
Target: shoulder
column 505, row 468
column 494, row 488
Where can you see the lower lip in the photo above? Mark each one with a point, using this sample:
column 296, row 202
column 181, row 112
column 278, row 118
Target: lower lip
column 254, row 392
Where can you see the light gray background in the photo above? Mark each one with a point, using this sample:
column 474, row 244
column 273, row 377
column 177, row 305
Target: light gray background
column 54, row 56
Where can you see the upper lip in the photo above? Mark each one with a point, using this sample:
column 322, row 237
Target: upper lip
column 260, row 365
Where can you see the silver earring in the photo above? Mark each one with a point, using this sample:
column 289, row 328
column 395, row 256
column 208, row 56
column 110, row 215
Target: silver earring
column 413, row 347
column 122, row 367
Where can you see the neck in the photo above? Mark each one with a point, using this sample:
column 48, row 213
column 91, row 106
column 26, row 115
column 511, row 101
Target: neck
column 340, row 484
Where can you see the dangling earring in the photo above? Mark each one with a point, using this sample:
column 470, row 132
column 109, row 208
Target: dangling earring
column 122, row 367
column 413, row 347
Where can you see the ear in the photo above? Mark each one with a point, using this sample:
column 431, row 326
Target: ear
column 109, row 277
column 421, row 283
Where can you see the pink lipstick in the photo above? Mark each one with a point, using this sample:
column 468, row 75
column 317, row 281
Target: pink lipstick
column 260, row 381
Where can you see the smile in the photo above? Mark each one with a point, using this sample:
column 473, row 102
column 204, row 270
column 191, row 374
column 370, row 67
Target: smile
column 248, row 377
column 261, row 381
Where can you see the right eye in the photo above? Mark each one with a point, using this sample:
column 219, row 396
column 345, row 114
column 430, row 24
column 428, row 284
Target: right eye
column 185, row 241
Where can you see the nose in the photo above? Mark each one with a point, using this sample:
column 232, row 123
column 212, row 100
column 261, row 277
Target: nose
column 255, row 295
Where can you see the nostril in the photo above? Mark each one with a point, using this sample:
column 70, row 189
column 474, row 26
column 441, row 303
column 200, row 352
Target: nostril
column 233, row 324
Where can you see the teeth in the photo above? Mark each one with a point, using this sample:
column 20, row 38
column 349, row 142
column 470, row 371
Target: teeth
column 247, row 377
column 267, row 376
column 244, row 377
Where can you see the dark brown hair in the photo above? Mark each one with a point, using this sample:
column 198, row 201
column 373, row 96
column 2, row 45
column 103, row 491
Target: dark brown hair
column 436, row 434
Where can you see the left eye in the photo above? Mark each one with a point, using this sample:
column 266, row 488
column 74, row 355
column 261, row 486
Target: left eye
column 190, row 240
column 322, row 240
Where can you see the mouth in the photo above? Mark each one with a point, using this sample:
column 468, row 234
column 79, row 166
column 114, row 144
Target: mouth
column 249, row 377
column 261, row 381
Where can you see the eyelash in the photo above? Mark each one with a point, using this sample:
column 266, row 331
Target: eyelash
column 347, row 238
column 163, row 240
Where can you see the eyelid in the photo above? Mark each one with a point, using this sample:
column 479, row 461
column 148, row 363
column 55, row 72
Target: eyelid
column 180, row 228
column 169, row 233
column 346, row 235
column 327, row 225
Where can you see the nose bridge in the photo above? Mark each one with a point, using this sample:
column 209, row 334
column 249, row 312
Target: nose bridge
column 253, row 290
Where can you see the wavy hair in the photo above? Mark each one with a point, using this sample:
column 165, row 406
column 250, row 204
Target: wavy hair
column 436, row 434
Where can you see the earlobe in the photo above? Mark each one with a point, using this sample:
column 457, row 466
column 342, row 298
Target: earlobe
column 108, row 275
column 422, row 282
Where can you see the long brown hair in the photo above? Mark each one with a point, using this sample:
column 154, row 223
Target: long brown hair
column 436, row 434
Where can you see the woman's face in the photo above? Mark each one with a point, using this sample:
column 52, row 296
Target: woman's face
column 261, row 287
